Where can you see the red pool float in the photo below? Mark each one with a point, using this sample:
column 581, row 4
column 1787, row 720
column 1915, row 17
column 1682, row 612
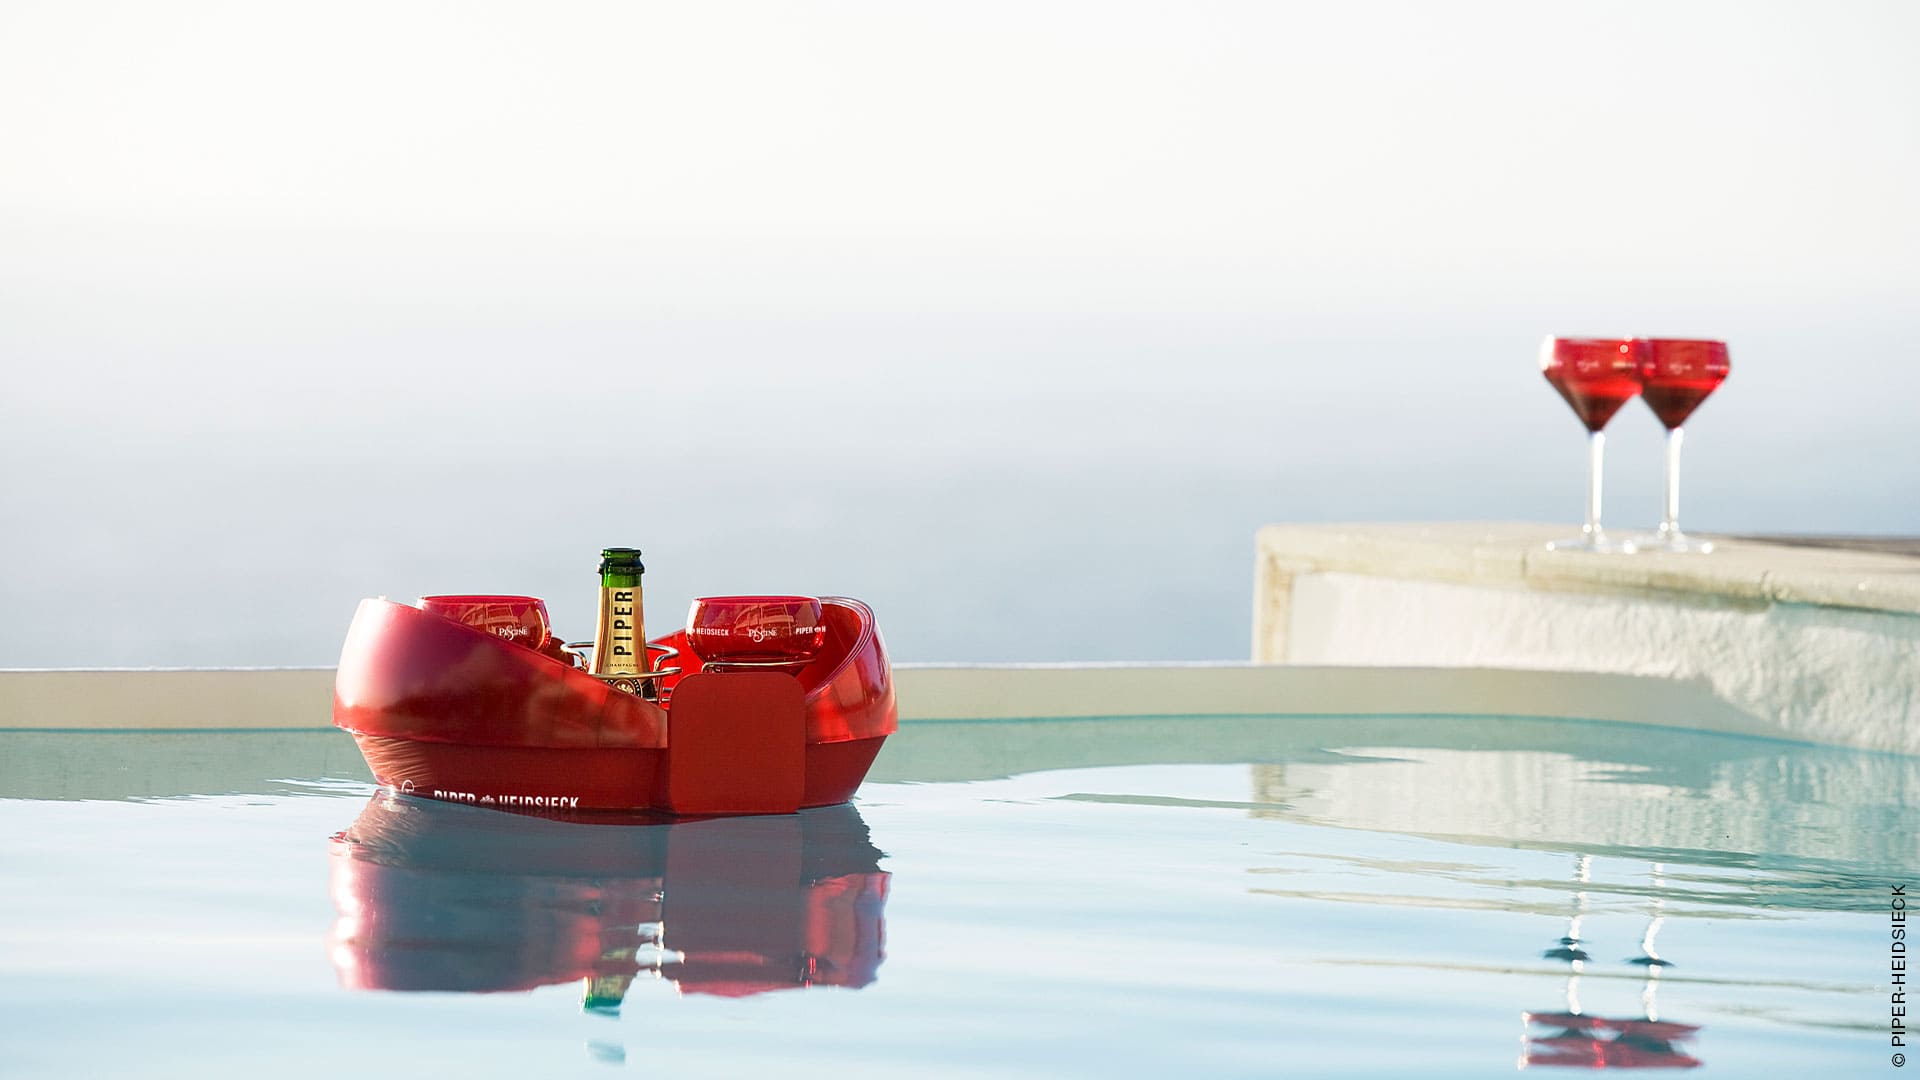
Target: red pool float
column 446, row 711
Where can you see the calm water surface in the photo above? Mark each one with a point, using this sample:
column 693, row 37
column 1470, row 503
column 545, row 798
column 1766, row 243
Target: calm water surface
column 1128, row 897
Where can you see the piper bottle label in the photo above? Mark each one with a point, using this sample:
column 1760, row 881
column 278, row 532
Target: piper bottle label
column 620, row 641
column 623, row 623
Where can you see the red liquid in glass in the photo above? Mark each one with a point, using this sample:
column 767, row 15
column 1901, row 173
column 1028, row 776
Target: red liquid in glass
column 1678, row 374
column 1595, row 375
column 755, row 629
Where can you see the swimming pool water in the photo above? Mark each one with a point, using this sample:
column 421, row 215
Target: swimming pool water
column 1215, row 897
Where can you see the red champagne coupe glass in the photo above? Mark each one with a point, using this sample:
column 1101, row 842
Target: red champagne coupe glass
column 1596, row 376
column 1677, row 374
column 775, row 632
column 520, row 619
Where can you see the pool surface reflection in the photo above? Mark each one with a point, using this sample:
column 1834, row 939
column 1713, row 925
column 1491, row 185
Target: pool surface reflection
column 1224, row 897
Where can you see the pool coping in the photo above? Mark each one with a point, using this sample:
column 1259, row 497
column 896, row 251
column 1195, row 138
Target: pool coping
column 215, row 699
column 1514, row 555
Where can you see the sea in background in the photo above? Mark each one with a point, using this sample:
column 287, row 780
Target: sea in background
column 1015, row 323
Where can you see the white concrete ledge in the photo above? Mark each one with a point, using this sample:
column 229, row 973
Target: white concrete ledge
column 1063, row 691
column 1740, row 572
column 302, row 698
column 166, row 699
column 1812, row 644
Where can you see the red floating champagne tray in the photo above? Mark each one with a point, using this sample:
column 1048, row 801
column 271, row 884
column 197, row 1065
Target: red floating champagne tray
column 446, row 711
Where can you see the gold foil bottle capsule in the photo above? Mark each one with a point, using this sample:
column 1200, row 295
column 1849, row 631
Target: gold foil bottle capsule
column 620, row 635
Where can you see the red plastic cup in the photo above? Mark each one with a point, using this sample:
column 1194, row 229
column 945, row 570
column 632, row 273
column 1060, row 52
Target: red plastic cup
column 756, row 630
column 520, row 619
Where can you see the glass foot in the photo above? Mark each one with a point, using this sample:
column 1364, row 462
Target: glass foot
column 1597, row 542
column 1672, row 541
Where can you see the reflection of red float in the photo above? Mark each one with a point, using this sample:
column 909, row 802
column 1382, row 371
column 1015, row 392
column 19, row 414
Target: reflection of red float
column 1578, row 1040
column 445, row 711
column 444, row 898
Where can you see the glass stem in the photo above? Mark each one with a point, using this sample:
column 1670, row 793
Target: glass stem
column 1670, row 523
column 1596, row 452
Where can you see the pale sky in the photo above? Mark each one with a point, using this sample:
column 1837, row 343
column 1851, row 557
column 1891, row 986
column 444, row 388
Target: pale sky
column 1006, row 154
